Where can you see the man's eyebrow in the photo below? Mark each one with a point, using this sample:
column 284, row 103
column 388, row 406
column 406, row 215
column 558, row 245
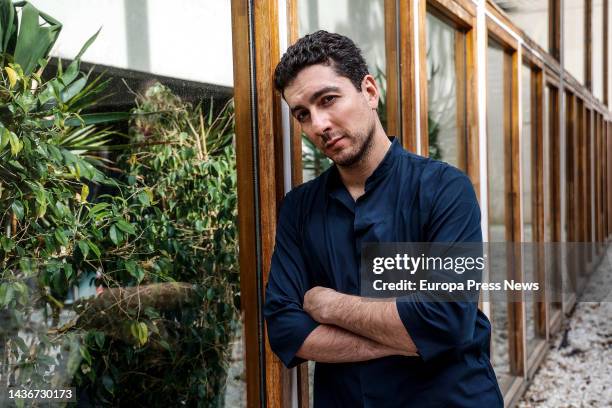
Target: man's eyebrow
column 316, row 96
column 322, row 91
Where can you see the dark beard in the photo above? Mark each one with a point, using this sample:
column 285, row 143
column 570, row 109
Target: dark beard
column 361, row 153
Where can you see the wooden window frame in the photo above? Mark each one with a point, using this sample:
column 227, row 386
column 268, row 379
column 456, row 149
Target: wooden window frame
column 535, row 66
column 588, row 140
column 554, row 29
column 581, row 188
column 461, row 15
column 604, row 184
column 609, row 175
column 570, row 170
column 400, row 46
column 597, row 184
column 555, row 314
column 516, row 313
column 604, row 168
column 598, row 181
column 260, row 187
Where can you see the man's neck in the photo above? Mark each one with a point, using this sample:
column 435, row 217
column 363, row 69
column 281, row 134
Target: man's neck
column 355, row 176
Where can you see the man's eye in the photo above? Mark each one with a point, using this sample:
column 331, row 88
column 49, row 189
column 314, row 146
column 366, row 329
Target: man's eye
column 301, row 116
column 328, row 99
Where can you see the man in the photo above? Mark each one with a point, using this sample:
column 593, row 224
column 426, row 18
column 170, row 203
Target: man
column 369, row 354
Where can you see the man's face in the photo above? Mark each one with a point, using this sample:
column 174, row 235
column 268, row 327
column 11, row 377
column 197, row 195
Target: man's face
column 337, row 118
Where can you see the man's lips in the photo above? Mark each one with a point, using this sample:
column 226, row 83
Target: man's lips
column 333, row 141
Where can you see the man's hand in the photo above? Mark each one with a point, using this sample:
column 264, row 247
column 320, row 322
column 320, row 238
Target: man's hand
column 319, row 303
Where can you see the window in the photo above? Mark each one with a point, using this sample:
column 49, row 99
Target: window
column 446, row 83
column 531, row 16
column 174, row 220
column 498, row 113
column 364, row 23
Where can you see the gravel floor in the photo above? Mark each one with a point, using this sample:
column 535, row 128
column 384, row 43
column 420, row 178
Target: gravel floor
column 577, row 371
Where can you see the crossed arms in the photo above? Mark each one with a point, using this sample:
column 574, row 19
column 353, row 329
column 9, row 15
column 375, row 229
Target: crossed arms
column 320, row 324
column 353, row 328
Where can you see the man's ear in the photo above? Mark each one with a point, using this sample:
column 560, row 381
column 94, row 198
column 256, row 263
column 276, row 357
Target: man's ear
column 370, row 90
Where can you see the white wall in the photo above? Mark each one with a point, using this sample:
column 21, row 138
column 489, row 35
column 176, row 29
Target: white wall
column 573, row 38
column 531, row 16
column 187, row 39
column 360, row 20
column 597, row 49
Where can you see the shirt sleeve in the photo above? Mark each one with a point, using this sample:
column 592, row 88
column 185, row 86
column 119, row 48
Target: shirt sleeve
column 438, row 327
column 288, row 324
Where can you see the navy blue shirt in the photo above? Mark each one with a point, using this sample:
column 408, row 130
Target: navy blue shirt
column 408, row 198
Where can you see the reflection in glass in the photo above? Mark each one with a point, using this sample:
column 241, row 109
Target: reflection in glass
column 573, row 37
column 446, row 139
column 131, row 37
column 498, row 107
column 530, row 15
column 527, row 150
column 363, row 22
column 137, row 262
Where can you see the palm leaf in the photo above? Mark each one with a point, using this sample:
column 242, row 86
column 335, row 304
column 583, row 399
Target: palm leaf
column 8, row 27
column 34, row 41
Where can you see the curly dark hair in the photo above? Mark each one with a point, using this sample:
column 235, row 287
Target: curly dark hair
column 321, row 47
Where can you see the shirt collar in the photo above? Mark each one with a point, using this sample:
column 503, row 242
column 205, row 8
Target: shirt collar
column 334, row 182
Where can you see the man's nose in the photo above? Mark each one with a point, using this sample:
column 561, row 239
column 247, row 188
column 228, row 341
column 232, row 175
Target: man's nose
column 320, row 123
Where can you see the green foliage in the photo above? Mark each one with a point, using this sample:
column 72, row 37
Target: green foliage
column 172, row 219
column 51, row 233
column 182, row 195
column 28, row 44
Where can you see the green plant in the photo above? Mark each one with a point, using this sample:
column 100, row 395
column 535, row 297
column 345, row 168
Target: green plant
column 173, row 349
column 162, row 243
column 51, row 233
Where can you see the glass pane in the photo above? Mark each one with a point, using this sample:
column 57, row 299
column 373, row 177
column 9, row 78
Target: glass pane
column 497, row 109
column 570, row 197
column 597, row 48
column 553, row 140
column 589, row 144
column 446, row 123
column 573, row 37
column 363, row 22
column 526, row 152
column 531, row 16
column 546, row 167
column 528, row 259
column 130, row 37
column 134, row 246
